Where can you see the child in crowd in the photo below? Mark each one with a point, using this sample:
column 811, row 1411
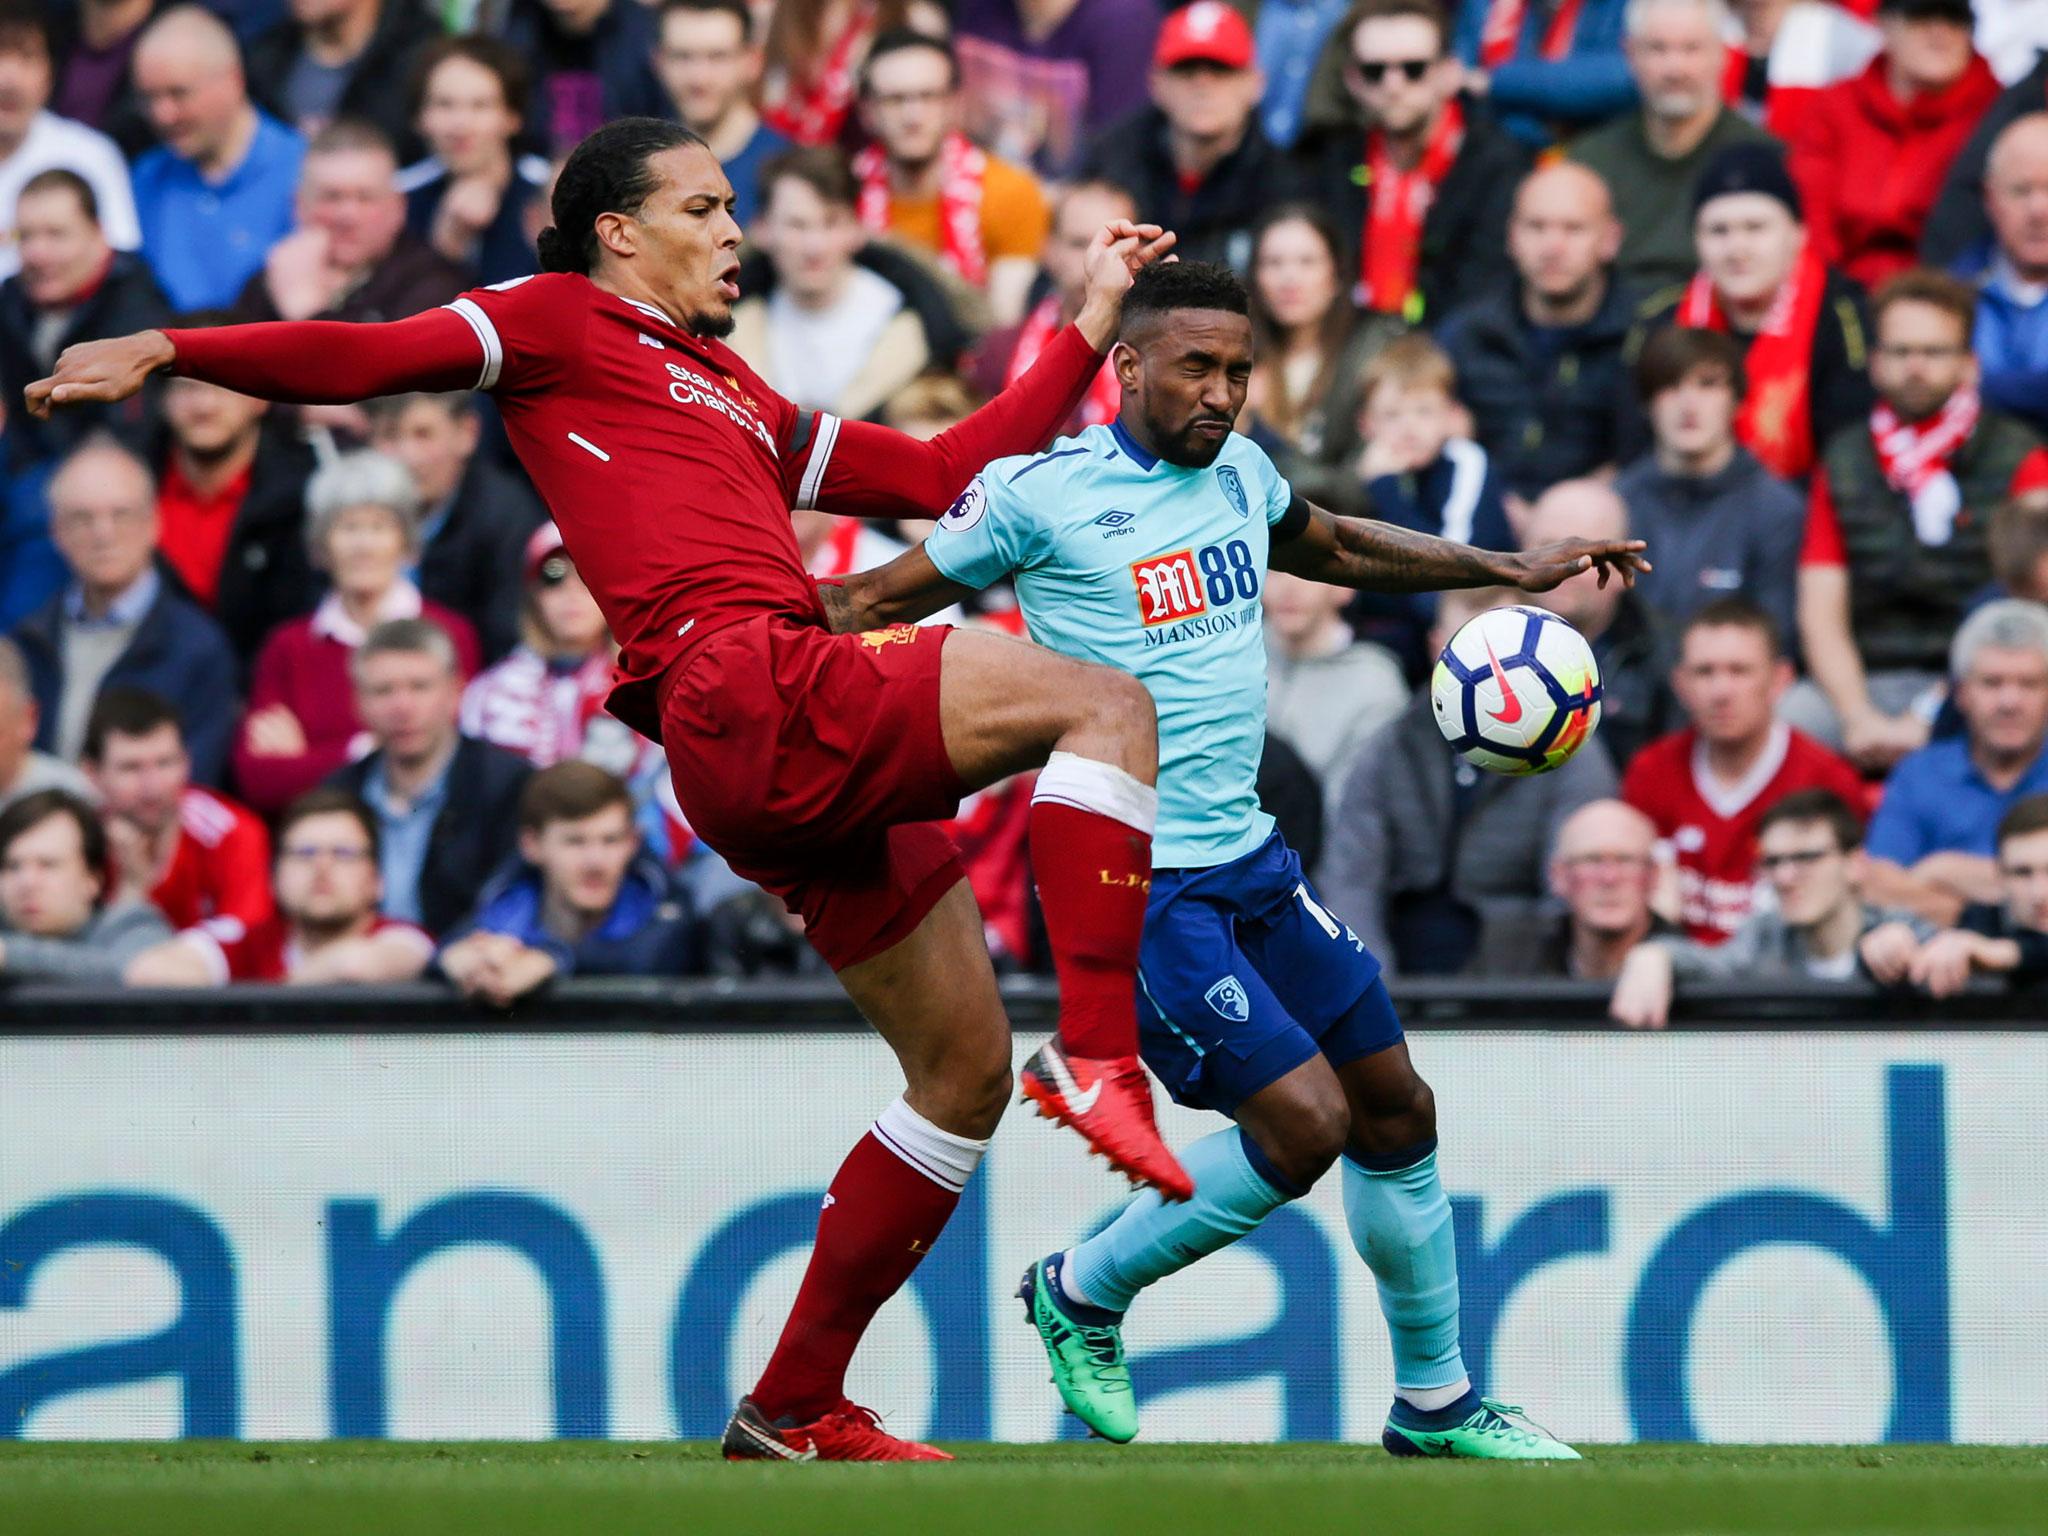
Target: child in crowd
column 1420, row 470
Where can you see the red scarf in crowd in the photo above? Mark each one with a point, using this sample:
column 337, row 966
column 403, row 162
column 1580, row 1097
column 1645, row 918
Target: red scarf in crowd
column 1501, row 33
column 1399, row 202
column 1776, row 421
column 1915, row 457
column 963, row 177
column 1099, row 406
column 814, row 111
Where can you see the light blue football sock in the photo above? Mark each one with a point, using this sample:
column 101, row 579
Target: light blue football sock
column 1401, row 1226
column 1150, row 1239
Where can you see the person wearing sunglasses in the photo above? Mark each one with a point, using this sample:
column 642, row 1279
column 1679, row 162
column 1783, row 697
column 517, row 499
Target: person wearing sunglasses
column 1810, row 854
column 1422, row 197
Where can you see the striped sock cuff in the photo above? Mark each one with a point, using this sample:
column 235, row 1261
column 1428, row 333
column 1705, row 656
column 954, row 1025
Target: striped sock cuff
column 1103, row 788
column 947, row 1160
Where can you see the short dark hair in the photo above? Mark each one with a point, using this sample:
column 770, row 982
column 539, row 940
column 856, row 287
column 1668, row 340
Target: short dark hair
column 25, row 26
column 1672, row 354
column 1169, row 285
column 58, row 179
column 738, row 10
column 1379, row 10
column 2026, row 817
column 1736, row 612
column 123, row 710
column 569, row 792
column 1806, row 806
column 31, row 811
column 508, row 64
column 1924, row 285
column 902, row 40
column 349, row 136
column 825, row 170
column 328, row 801
column 607, row 173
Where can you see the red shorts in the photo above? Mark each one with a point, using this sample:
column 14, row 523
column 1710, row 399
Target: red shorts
column 814, row 764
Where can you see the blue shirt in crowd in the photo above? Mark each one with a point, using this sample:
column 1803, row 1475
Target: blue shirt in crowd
column 650, row 930
column 743, row 170
column 1290, row 35
column 1937, row 801
column 2011, row 341
column 403, row 835
column 205, row 240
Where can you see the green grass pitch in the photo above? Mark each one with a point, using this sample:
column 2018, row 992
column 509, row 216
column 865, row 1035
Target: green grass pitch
column 355, row 1488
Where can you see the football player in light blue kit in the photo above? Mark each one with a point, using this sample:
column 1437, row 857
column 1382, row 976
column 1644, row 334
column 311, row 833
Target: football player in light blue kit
column 1144, row 545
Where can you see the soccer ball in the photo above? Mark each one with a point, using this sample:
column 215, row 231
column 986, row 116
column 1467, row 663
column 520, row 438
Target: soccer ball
column 1516, row 691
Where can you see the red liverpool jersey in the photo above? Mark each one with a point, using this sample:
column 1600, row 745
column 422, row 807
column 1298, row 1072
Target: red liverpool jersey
column 664, row 458
column 219, row 875
column 1710, row 829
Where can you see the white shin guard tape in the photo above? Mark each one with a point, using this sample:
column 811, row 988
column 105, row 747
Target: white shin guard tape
column 940, row 1156
column 1100, row 787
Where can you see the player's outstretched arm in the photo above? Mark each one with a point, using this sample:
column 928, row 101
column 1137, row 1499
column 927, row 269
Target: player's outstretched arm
column 1381, row 557
column 293, row 362
column 905, row 590
column 874, row 471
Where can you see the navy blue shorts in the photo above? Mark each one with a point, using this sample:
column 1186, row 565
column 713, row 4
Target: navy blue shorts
column 1243, row 975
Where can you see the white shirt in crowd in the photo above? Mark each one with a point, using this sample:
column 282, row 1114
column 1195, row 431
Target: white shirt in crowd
column 57, row 143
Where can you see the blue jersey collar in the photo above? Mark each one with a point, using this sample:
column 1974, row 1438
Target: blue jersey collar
column 1129, row 444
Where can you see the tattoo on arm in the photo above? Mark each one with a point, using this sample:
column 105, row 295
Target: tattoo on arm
column 839, row 615
column 1383, row 557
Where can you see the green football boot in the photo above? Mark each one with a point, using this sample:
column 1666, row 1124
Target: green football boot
column 1473, row 1426
column 1086, row 1348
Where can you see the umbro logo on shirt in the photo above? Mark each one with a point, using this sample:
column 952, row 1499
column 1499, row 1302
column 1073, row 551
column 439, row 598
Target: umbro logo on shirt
column 1115, row 523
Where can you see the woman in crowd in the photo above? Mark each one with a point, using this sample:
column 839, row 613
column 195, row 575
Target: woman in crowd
column 363, row 530
column 469, row 198
column 1311, row 345
column 815, row 49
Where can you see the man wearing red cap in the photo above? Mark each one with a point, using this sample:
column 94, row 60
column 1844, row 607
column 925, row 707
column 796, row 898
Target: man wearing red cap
column 1197, row 158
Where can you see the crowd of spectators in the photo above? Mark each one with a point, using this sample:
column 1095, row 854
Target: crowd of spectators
column 315, row 694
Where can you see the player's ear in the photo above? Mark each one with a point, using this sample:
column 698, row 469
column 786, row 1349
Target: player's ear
column 1123, row 357
column 618, row 233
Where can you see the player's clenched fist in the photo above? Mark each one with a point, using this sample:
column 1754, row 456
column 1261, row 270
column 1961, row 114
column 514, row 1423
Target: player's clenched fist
column 101, row 371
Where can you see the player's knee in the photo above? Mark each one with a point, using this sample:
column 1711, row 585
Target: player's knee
column 1119, row 704
column 1308, row 1137
column 966, row 1091
column 1400, row 1115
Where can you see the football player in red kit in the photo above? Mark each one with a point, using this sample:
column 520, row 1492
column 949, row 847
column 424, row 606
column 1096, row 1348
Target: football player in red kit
column 813, row 762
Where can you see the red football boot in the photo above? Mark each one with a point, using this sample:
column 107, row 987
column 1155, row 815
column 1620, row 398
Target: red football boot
column 1109, row 1101
column 848, row 1433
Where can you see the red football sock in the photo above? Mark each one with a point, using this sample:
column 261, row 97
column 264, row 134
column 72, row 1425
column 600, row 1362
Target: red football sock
column 881, row 1217
column 1094, row 875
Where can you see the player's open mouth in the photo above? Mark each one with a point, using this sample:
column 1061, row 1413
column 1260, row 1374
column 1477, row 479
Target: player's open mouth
column 729, row 284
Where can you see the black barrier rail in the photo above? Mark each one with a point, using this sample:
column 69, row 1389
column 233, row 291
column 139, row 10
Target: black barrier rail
column 660, row 1006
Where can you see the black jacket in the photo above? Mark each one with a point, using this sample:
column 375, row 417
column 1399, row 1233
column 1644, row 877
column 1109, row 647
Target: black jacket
column 128, row 299
column 619, row 50
column 266, row 576
column 1465, row 232
column 412, row 278
column 1841, row 391
column 476, row 562
column 1958, row 224
column 477, row 830
column 1544, row 415
column 177, row 653
column 379, row 88
column 1215, row 220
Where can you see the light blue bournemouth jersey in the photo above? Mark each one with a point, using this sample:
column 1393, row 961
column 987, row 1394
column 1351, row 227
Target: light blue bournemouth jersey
column 1156, row 570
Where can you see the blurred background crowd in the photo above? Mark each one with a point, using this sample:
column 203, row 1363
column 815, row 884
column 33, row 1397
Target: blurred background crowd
column 314, row 694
